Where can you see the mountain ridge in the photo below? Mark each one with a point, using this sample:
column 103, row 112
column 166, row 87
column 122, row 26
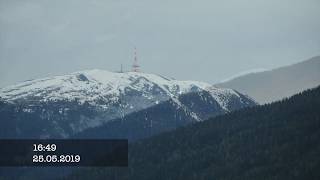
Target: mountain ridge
column 275, row 84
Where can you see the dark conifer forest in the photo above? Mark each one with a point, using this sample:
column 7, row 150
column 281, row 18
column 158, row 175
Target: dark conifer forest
column 273, row 141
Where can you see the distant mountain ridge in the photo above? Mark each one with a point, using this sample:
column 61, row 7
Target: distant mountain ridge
column 272, row 85
column 63, row 106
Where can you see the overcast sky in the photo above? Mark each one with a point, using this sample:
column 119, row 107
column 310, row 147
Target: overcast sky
column 205, row 40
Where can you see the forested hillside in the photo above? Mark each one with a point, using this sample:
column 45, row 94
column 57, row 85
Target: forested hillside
column 275, row 141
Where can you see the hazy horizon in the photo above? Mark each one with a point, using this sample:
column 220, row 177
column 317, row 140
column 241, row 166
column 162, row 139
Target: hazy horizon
column 203, row 40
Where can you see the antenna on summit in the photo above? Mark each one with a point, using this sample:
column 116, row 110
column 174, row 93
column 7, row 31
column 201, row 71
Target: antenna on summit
column 135, row 65
column 121, row 69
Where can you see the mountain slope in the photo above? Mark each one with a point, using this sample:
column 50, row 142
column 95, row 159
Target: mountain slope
column 279, row 83
column 274, row 141
column 165, row 116
column 63, row 106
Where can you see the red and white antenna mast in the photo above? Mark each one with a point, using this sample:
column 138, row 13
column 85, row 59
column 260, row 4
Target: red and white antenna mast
column 135, row 65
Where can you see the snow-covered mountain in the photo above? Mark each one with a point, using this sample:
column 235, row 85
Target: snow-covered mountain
column 95, row 85
column 81, row 100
